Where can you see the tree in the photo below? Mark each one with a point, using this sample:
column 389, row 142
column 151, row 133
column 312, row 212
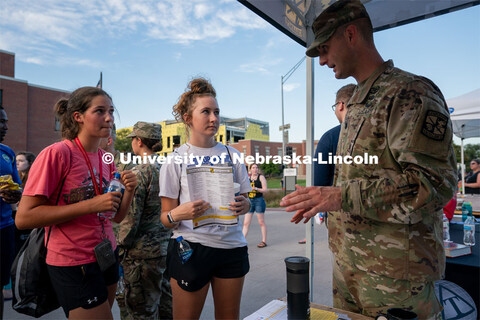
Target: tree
column 458, row 152
column 123, row 144
column 271, row 169
column 470, row 152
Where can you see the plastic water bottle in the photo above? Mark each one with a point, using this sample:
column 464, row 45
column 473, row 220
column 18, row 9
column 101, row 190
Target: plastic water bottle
column 469, row 231
column 120, row 284
column 446, row 229
column 115, row 185
column 466, row 210
column 184, row 249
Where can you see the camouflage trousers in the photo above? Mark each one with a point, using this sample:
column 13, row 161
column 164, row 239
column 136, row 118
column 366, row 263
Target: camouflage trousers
column 361, row 292
column 147, row 294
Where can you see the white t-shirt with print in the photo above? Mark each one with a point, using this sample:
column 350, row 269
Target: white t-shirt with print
column 171, row 185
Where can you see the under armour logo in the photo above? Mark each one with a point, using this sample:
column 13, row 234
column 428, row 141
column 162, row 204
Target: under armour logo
column 92, row 300
column 185, row 283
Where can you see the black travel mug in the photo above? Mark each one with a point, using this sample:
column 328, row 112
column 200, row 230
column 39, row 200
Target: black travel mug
column 397, row 314
column 298, row 289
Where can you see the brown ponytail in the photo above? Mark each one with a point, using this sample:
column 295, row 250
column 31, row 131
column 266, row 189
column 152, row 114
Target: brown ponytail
column 79, row 101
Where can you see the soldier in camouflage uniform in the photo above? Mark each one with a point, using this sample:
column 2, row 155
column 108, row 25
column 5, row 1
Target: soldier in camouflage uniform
column 143, row 239
column 386, row 226
column 108, row 145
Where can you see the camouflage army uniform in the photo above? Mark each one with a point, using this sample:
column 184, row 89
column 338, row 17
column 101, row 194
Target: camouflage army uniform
column 387, row 239
column 120, row 167
column 143, row 240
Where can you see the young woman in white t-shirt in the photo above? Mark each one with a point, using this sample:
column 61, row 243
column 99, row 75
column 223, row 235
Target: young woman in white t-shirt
column 220, row 254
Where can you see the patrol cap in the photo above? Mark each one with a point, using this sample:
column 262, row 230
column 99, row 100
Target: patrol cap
column 146, row 130
column 336, row 15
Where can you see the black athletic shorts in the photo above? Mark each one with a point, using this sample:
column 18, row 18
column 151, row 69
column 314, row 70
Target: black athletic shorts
column 82, row 286
column 204, row 264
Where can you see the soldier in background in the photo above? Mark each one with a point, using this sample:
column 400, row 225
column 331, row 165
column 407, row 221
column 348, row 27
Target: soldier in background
column 385, row 219
column 143, row 239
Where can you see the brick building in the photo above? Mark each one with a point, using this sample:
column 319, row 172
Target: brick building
column 29, row 107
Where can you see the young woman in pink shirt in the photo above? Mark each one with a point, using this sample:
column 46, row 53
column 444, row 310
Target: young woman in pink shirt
column 65, row 194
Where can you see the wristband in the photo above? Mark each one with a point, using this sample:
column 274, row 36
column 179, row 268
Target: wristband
column 170, row 218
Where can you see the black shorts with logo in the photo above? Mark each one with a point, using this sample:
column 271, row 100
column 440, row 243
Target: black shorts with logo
column 204, row 264
column 82, row 286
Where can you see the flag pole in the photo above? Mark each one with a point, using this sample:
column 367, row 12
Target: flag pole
column 100, row 82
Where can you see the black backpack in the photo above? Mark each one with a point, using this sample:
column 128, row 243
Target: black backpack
column 33, row 292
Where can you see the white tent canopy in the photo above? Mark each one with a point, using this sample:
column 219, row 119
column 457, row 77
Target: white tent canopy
column 465, row 114
column 295, row 17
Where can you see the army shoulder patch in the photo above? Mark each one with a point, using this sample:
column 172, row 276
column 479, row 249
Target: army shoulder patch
column 435, row 125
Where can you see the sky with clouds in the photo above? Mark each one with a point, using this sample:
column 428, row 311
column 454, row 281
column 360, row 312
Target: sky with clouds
column 148, row 50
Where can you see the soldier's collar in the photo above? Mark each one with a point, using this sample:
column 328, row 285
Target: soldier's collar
column 364, row 87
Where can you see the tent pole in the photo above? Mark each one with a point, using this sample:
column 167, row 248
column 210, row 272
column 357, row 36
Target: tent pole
column 309, row 174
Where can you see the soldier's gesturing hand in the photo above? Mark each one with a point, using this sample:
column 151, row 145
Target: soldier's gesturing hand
column 308, row 201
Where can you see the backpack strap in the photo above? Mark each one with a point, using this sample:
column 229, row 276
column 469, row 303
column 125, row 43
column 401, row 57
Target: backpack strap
column 233, row 165
column 180, row 178
column 61, row 184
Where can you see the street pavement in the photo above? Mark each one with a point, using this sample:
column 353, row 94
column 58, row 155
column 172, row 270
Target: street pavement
column 266, row 280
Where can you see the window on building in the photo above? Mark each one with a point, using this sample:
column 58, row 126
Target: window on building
column 267, row 151
column 279, row 151
column 288, row 151
column 176, row 140
column 257, row 149
column 1, row 97
column 57, row 123
column 294, row 150
column 244, row 150
column 168, row 142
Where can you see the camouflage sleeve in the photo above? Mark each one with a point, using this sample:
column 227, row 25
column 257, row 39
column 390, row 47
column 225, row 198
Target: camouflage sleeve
column 129, row 226
column 420, row 172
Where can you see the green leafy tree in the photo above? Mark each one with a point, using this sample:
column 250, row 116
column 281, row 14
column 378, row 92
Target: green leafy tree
column 271, row 169
column 458, row 152
column 470, row 152
column 123, row 144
